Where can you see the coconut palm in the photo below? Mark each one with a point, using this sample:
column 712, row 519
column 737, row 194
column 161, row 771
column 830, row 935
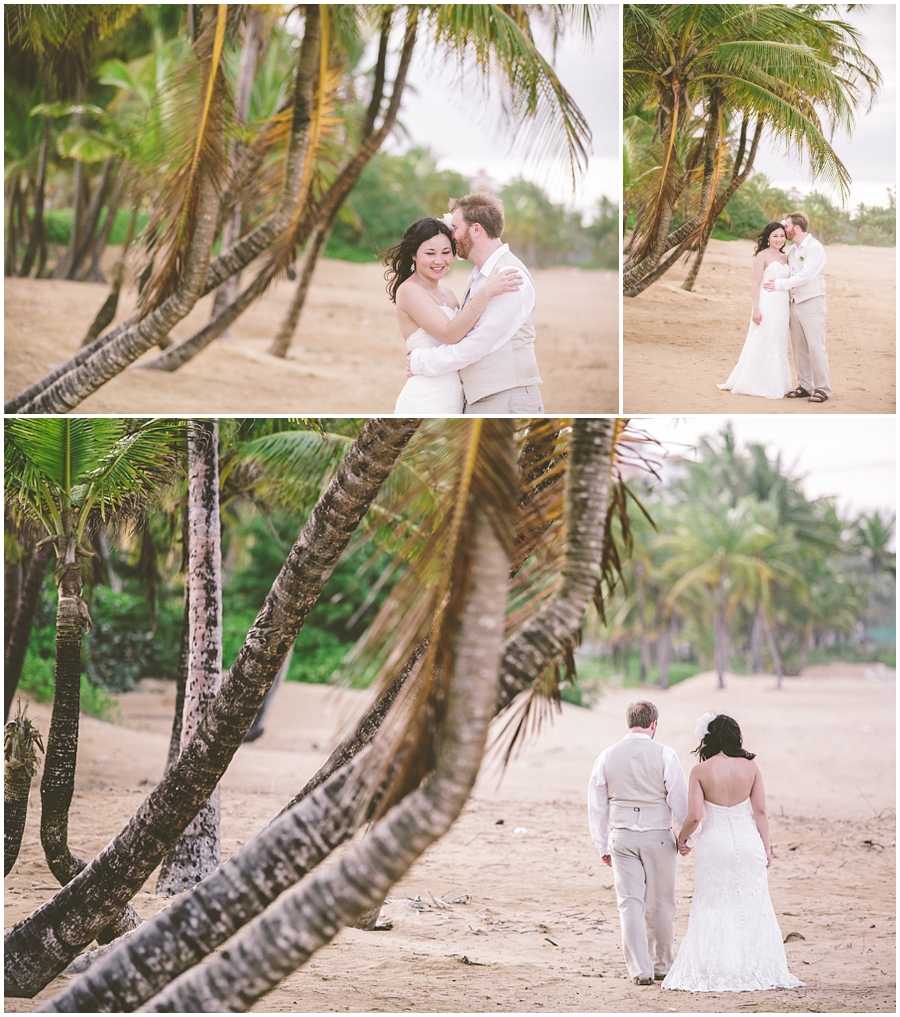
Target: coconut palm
column 712, row 70
column 62, row 474
column 320, row 820
column 21, row 743
column 68, row 922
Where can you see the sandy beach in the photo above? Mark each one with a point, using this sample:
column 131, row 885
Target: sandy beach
column 347, row 357
column 678, row 345
column 513, row 911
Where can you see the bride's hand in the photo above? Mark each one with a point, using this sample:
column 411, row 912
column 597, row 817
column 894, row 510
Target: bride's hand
column 756, row 316
column 505, row 281
column 768, row 857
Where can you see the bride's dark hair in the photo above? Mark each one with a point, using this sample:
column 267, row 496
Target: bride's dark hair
column 723, row 735
column 399, row 259
column 762, row 238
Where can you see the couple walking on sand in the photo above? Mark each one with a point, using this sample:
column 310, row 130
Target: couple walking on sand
column 733, row 943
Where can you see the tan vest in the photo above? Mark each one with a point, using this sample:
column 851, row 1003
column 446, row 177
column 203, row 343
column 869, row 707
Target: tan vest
column 513, row 365
column 815, row 287
column 635, row 782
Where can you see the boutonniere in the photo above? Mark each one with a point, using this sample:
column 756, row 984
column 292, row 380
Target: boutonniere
column 802, row 258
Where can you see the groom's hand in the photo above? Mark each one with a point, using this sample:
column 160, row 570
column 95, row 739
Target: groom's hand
column 769, row 285
column 409, row 373
column 683, row 849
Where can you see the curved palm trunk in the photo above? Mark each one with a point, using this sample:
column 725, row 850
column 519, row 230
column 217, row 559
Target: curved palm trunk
column 21, row 743
column 258, row 727
column 92, row 217
column 37, row 241
column 58, row 782
column 20, row 633
column 12, row 236
column 92, row 272
column 314, row 247
column 41, row 945
column 199, row 849
column 309, row 917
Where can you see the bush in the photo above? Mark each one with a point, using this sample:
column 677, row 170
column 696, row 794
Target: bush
column 37, row 679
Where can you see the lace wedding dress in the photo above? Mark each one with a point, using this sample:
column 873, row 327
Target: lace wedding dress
column 733, row 943
column 423, row 396
column 763, row 368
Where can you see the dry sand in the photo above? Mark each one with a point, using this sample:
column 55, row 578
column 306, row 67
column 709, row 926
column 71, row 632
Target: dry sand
column 536, row 929
column 678, row 345
column 347, row 357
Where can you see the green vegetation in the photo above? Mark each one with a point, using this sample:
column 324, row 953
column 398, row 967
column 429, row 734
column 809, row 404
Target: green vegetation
column 758, row 203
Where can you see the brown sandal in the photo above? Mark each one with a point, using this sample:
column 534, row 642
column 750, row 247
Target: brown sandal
column 798, row 393
column 818, row 396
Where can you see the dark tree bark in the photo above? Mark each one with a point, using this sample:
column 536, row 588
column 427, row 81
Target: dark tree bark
column 92, row 217
column 21, row 743
column 20, row 633
column 37, row 241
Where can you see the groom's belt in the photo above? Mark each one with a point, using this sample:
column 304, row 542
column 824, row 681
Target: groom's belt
column 650, row 815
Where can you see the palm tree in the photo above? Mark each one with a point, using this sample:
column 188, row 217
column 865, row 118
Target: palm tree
column 710, row 69
column 21, row 744
column 68, row 922
column 198, row 851
column 296, row 841
column 62, row 474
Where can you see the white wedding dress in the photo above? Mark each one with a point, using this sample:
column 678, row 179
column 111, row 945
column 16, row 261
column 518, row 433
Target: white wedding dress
column 423, row 396
column 733, row 943
column 763, row 368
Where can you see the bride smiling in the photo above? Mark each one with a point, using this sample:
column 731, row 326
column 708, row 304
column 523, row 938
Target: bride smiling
column 428, row 312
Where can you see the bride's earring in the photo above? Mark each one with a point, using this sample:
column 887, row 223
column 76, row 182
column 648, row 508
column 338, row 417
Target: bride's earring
column 414, row 264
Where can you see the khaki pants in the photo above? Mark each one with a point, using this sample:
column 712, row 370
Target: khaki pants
column 808, row 344
column 523, row 401
column 643, row 864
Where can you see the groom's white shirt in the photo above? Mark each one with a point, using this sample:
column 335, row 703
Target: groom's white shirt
column 807, row 262
column 502, row 318
column 598, row 795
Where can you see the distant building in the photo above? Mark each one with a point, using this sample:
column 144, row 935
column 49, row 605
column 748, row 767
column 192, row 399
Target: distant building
column 482, row 182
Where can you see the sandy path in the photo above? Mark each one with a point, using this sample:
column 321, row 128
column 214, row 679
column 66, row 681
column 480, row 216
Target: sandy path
column 347, row 358
column 538, row 930
column 678, row 345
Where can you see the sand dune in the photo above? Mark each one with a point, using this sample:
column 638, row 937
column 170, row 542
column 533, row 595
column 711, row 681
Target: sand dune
column 534, row 925
column 678, row 345
column 347, row 358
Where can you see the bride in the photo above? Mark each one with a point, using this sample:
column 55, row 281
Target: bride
column 733, row 943
column 763, row 368
column 428, row 312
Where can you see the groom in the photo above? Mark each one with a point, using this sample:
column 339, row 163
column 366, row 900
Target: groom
column 807, row 287
column 495, row 360
column 636, row 786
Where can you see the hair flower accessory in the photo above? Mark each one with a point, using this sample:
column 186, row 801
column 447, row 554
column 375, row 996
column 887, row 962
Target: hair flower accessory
column 701, row 728
column 446, row 219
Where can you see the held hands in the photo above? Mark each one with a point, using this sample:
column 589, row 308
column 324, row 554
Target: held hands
column 683, row 849
column 607, row 859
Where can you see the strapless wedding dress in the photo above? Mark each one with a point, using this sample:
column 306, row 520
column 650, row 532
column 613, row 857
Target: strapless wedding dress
column 423, row 396
column 733, row 943
column 763, row 368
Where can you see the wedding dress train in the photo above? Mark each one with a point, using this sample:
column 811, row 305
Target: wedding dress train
column 763, row 368
column 733, row 943
column 423, row 396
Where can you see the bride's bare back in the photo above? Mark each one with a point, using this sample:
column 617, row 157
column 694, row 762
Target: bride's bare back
column 727, row 780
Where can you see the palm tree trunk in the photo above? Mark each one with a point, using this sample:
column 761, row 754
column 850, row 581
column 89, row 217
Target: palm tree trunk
column 92, row 217
column 92, row 272
column 664, row 645
column 40, row 946
column 304, row 920
column 314, row 247
column 58, row 782
column 258, row 727
column 180, row 681
column 20, row 633
column 12, row 236
column 12, row 592
column 773, row 650
column 199, row 849
column 107, row 312
column 37, row 241
column 20, row 744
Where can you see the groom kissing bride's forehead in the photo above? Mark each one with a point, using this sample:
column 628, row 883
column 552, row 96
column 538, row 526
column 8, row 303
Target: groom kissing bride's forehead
column 494, row 360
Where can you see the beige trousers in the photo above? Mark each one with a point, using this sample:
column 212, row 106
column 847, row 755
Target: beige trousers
column 522, row 400
column 808, row 344
column 643, row 864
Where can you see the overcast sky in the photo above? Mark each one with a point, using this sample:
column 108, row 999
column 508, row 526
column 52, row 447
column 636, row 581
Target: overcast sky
column 850, row 458
column 870, row 153
column 465, row 129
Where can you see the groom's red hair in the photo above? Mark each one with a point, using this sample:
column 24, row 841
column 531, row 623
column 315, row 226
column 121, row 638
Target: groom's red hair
column 483, row 208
